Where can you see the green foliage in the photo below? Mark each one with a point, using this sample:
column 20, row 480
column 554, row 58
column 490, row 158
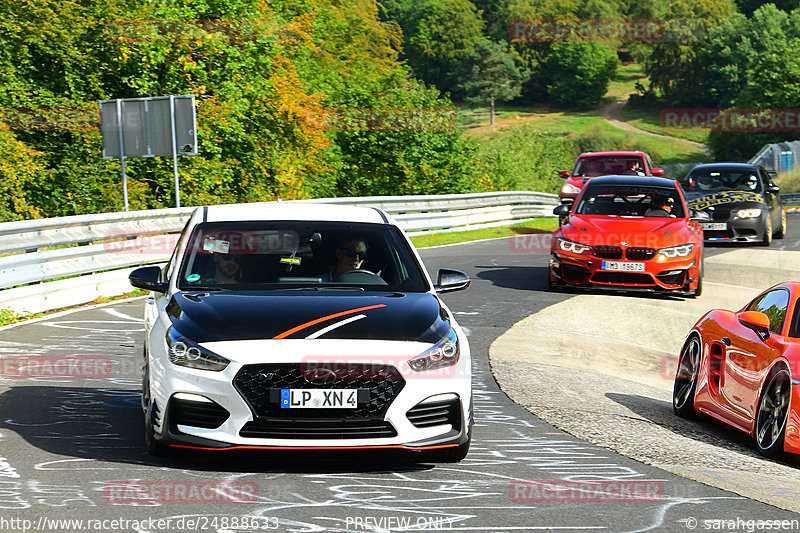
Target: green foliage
column 272, row 79
column 678, row 70
column 524, row 159
column 490, row 73
column 439, row 35
column 579, row 72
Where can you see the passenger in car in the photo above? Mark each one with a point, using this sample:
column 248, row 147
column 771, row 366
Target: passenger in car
column 226, row 268
column 350, row 255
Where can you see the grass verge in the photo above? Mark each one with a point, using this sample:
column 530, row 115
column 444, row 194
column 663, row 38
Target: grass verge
column 537, row 225
column 7, row 316
column 650, row 120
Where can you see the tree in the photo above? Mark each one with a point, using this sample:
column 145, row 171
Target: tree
column 578, row 73
column 490, row 74
column 439, row 35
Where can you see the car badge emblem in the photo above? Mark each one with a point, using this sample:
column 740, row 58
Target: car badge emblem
column 623, row 243
column 319, row 373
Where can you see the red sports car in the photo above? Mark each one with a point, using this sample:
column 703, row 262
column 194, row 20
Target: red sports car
column 742, row 369
column 630, row 233
column 592, row 164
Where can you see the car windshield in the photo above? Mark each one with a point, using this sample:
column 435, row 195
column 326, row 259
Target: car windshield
column 606, row 165
column 721, row 180
column 630, row 200
column 298, row 255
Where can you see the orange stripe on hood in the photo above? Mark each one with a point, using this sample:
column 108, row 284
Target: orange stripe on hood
column 323, row 319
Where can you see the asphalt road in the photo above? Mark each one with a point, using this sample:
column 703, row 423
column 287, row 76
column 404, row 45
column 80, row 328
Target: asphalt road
column 72, row 449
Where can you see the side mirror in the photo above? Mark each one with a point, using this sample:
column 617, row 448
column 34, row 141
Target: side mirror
column 451, row 280
column 700, row 216
column 563, row 174
column 757, row 321
column 561, row 210
column 774, row 189
column 657, row 171
column 148, row 278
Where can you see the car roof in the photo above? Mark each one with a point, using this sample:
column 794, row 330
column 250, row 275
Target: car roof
column 622, row 153
column 294, row 210
column 640, row 181
column 743, row 166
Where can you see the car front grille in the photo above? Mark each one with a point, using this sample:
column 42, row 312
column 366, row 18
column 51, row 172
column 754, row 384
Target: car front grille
column 607, row 252
column 635, row 253
column 378, row 386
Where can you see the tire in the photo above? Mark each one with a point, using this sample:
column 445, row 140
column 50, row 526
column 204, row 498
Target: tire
column 154, row 448
column 699, row 290
column 152, row 445
column 767, row 240
column 686, row 378
column 773, row 412
column 782, row 230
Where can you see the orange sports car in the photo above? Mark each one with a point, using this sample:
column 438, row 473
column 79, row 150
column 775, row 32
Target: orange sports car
column 742, row 369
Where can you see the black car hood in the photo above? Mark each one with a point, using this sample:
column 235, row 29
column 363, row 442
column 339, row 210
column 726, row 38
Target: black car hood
column 229, row 315
column 703, row 200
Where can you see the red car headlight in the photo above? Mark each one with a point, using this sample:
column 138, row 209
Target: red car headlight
column 677, row 251
column 573, row 247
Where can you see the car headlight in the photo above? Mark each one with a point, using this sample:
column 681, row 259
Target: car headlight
column 569, row 188
column 184, row 352
column 748, row 213
column 444, row 353
column 573, row 247
column 677, row 251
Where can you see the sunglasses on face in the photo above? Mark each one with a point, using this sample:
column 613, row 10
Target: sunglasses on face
column 353, row 254
column 230, row 258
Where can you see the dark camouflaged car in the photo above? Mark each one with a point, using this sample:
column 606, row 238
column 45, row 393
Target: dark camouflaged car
column 742, row 201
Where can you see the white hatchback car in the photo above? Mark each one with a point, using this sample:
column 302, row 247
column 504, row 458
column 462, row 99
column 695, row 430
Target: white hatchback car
column 257, row 340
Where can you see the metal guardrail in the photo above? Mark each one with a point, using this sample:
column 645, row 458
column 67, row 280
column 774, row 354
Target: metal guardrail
column 52, row 263
column 793, row 198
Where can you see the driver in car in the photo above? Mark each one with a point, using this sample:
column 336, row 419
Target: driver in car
column 350, row 255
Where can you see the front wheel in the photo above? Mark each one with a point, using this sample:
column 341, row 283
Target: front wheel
column 152, row 445
column 782, row 230
column 767, row 240
column 686, row 378
column 773, row 410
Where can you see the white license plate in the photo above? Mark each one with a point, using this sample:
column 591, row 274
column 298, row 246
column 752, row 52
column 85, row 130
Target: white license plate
column 714, row 226
column 319, row 398
column 623, row 266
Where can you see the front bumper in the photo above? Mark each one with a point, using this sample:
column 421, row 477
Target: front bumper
column 239, row 407
column 660, row 274
column 737, row 230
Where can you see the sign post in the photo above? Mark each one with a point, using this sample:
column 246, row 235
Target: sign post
column 160, row 126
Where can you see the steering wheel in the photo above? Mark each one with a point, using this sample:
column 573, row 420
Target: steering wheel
column 360, row 276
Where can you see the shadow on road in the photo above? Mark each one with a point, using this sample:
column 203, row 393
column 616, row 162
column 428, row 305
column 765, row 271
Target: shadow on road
column 107, row 425
column 702, row 429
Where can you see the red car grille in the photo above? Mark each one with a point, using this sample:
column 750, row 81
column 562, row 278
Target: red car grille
column 640, row 254
column 607, row 252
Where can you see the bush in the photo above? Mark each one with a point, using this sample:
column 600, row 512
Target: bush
column 579, row 72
